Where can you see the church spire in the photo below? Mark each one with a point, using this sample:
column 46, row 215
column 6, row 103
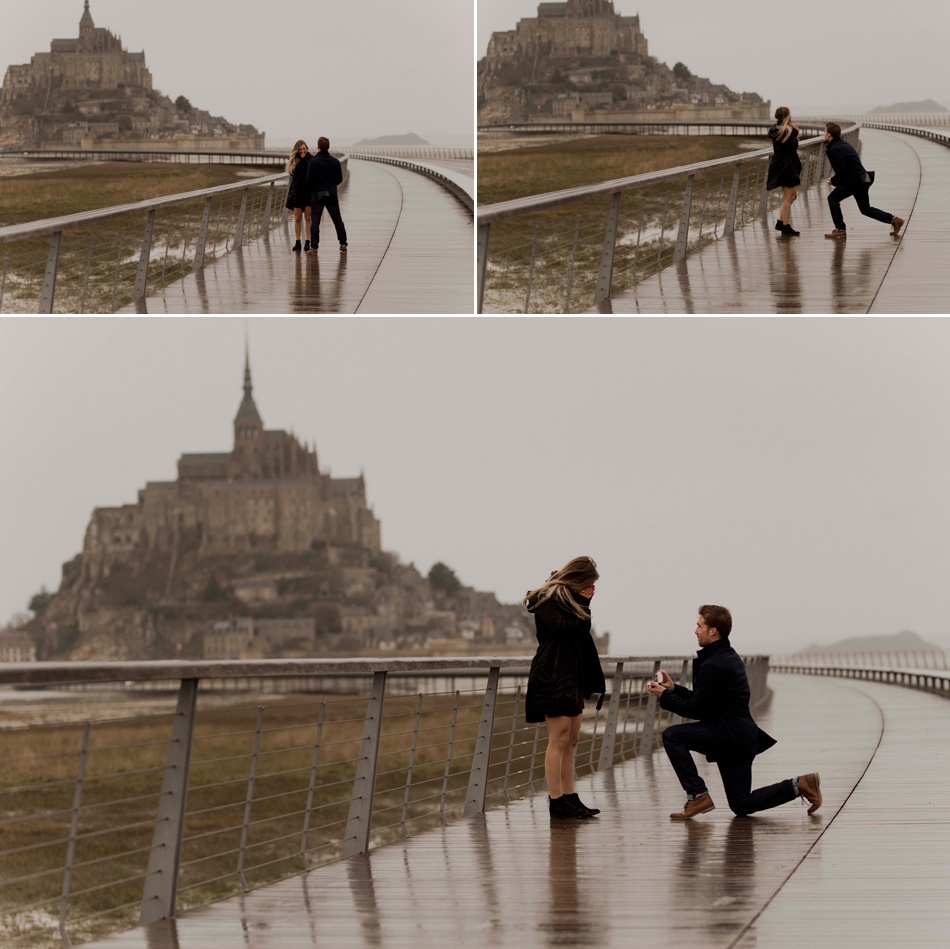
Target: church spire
column 247, row 411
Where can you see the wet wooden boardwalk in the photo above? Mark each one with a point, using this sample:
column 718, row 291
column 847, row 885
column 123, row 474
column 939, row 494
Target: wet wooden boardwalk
column 411, row 247
column 754, row 271
column 870, row 869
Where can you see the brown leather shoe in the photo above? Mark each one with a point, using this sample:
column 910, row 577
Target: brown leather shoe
column 836, row 234
column 896, row 225
column 690, row 809
column 809, row 786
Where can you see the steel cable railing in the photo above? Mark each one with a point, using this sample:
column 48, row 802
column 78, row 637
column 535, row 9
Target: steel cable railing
column 124, row 818
column 568, row 251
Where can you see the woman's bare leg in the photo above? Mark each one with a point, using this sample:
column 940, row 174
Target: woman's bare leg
column 559, row 737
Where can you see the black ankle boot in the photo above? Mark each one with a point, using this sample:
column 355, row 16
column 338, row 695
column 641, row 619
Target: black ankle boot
column 296, row 248
column 789, row 232
column 306, row 245
column 560, row 808
column 580, row 805
column 779, row 225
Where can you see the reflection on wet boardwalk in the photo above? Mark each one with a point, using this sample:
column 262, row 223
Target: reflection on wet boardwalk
column 756, row 271
column 869, row 869
column 410, row 251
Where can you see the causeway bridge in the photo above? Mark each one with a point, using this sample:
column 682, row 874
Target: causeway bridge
column 700, row 239
column 868, row 869
column 409, row 215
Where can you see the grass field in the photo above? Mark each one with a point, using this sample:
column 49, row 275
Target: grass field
column 536, row 169
column 41, row 194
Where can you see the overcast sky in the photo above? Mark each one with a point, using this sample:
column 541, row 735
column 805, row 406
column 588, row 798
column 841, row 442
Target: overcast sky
column 294, row 70
column 813, row 56
column 794, row 469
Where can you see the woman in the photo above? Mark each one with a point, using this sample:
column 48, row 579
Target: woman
column 565, row 671
column 785, row 167
column 298, row 195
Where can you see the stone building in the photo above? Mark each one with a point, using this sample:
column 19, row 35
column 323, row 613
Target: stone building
column 266, row 495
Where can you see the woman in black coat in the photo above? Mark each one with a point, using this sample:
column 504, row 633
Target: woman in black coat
column 785, row 167
column 565, row 671
column 298, row 194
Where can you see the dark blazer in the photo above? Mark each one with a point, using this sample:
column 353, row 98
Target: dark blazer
column 847, row 167
column 566, row 668
column 719, row 699
column 324, row 173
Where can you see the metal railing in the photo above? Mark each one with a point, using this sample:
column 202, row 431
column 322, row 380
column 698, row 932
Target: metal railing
column 424, row 152
column 569, row 251
column 896, row 669
column 941, row 138
column 135, row 790
column 460, row 185
column 100, row 261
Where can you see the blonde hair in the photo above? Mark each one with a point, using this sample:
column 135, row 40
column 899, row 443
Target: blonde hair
column 294, row 156
column 574, row 577
column 784, row 119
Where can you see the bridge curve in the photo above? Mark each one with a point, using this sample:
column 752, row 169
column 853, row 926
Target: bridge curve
column 867, row 869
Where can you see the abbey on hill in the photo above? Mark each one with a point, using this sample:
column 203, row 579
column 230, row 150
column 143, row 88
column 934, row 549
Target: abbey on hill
column 581, row 60
column 89, row 91
column 257, row 553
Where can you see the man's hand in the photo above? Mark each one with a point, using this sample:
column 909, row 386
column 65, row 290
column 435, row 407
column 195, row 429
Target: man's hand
column 661, row 685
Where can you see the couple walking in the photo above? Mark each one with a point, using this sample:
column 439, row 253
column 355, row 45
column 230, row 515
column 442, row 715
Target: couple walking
column 850, row 178
column 566, row 670
column 313, row 184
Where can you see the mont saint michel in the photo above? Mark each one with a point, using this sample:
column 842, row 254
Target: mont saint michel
column 257, row 552
column 582, row 60
column 89, row 91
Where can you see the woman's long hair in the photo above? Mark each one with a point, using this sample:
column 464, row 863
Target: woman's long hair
column 294, row 157
column 573, row 577
column 784, row 119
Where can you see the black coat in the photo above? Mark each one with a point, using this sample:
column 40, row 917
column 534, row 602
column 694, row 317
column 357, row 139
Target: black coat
column 846, row 164
column 719, row 699
column 298, row 194
column 324, row 173
column 785, row 167
column 566, row 668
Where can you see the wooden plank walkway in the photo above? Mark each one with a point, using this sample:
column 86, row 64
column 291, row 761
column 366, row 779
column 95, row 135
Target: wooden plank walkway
column 411, row 250
column 754, row 271
column 869, row 869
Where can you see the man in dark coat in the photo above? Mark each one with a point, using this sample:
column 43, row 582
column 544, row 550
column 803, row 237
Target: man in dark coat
column 724, row 730
column 324, row 173
column 850, row 179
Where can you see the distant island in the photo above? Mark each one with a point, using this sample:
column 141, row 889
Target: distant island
column 928, row 106
column 904, row 641
column 409, row 139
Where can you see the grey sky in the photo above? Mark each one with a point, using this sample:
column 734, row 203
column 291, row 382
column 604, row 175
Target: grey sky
column 792, row 469
column 346, row 70
column 813, row 55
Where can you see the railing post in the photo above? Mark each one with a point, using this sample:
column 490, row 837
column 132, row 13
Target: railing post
column 682, row 238
column 360, row 817
column 605, row 277
column 730, row 223
column 484, row 232
column 141, row 275
column 161, row 877
column 477, row 792
column 239, row 233
column 646, row 733
column 49, row 278
column 607, row 745
column 73, row 834
column 202, row 241
column 249, row 797
column 310, row 789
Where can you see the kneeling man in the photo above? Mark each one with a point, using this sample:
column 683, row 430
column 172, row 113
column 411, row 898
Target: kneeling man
column 723, row 728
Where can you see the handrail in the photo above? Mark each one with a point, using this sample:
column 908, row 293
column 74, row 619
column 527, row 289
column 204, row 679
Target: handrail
column 461, row 186
column 926, row 680
column 373, row 765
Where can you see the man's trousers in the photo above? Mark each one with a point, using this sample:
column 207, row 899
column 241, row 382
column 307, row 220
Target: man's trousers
column 680, row 741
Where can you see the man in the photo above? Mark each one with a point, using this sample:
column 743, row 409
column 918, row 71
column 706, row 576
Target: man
column 324, row 173
column 850, row 179
column 724, row 730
